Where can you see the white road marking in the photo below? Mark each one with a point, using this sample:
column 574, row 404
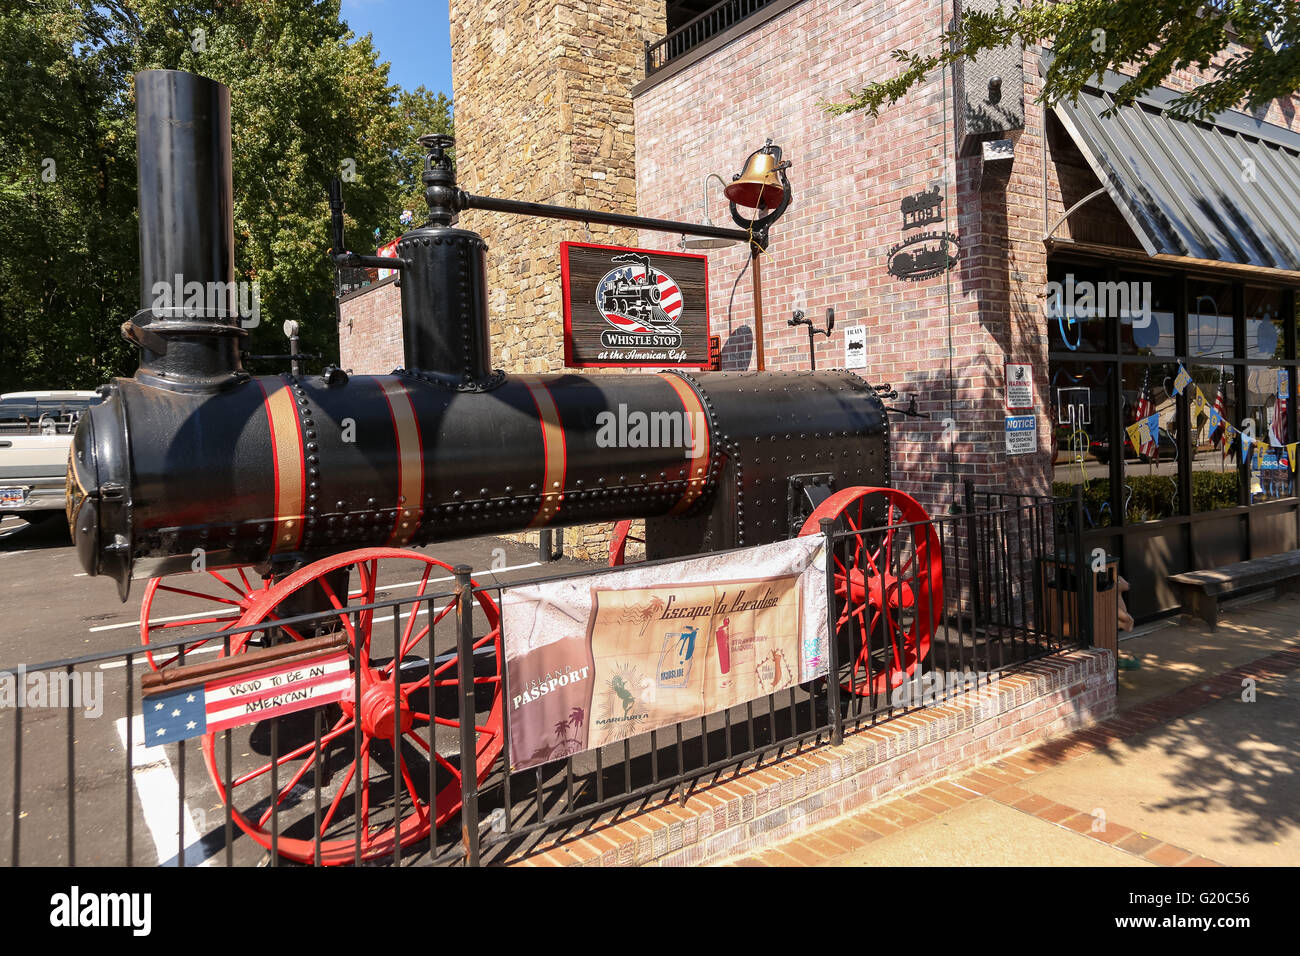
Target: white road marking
column 216, row 646
column 405, row 584
column 155, row 783
column 11, row 554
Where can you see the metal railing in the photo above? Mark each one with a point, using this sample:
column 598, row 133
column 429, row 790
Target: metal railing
column 698, row 30
column 327, row 785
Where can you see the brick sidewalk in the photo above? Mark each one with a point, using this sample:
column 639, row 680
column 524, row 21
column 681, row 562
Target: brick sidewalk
column 1000, row 781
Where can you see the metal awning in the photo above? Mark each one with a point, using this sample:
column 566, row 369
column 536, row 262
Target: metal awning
column 1226, row 190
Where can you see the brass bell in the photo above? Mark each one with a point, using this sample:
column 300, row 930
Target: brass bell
column 758, row 186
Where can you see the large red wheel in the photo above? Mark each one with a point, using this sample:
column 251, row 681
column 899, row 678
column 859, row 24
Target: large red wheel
column 204, row 602
column 357, row 788
column 890, row 582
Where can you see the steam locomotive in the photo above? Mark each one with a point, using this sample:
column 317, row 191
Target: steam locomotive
column 637, row 298
column 313, row 480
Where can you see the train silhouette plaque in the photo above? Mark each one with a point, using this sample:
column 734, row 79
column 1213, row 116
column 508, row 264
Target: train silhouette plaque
column 634, row 308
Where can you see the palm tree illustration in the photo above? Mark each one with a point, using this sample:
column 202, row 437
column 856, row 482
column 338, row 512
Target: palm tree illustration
column 623, row 693
column 574, row 720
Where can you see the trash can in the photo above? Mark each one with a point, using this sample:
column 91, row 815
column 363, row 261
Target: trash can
column 1059, row 594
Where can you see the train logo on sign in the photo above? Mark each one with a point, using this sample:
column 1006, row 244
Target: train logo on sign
column 638, row 299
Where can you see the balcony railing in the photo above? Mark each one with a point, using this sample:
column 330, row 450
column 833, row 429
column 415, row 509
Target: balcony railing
column 706, row 26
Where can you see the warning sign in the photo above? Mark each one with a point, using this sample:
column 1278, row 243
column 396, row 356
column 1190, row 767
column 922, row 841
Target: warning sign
column 1022, row 434
column 1020, row 386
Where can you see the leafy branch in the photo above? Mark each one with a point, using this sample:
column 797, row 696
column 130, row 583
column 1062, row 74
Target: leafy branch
column 1250, row 47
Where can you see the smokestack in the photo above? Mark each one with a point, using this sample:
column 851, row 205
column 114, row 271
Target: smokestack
column 188, row 326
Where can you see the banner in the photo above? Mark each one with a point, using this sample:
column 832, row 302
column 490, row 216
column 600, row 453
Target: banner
column 595, row 659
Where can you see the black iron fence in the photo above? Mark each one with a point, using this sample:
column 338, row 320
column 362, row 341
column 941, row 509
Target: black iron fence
column 415, row 770
column 712, row 22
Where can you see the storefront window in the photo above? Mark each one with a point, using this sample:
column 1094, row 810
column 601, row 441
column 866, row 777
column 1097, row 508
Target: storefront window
column 1265, row 336
column 1267, row 463
column 1240, row 341
column 1215, row 476
column 1209, row 319
column 1079, row 398
column 1151, row 465
column 1075, row 322
column 1144, row 305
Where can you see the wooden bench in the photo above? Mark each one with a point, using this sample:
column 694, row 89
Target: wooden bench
column 1200, row 591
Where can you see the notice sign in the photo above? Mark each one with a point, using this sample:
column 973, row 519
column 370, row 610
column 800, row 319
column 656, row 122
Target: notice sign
column 184, row 702
column 1022, row 434
column 1020, row 386
column 597, row 659
column 855, row 347
column 634, row 308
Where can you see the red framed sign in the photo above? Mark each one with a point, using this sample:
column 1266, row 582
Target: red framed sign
column 634, row 308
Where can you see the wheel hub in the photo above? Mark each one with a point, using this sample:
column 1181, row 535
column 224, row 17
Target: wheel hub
column 377, row 707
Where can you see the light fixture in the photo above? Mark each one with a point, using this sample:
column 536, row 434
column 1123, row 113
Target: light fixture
column 708, row 242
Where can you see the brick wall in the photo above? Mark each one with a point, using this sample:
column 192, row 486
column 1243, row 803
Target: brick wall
column 756, row 808
column 849, row 175
column 370, row 329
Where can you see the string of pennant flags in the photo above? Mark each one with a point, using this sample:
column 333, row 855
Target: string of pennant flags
column 1143, row 434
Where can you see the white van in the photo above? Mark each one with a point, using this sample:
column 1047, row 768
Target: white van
column 35, row 433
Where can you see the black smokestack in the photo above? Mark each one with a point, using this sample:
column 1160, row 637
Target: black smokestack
column 188, row 327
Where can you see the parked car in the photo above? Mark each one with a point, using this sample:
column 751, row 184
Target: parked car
column 1166, row 447
column 35, row 434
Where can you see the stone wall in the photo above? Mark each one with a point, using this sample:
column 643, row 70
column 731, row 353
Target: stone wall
column 544, row 114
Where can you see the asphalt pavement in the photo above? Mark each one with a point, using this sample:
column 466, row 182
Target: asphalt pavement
column 119, row 806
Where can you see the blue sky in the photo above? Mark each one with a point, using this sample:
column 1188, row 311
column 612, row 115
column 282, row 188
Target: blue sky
column 412, row 35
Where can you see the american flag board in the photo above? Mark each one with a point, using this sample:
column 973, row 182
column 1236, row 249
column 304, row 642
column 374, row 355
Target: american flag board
column 192, row 708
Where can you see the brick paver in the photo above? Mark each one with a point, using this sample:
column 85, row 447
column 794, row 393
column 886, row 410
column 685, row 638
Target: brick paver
column 999, row 779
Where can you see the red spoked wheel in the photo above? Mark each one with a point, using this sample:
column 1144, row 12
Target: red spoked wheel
column 890, row 581
column 358, row 788
column 618, row 543
column 204, row 602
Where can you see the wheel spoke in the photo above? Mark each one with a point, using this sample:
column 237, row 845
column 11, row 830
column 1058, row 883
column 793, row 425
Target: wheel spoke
column 338, row 798
column 307, row 764
column 292, row 632
column 166, row 625
column 200, row 594
column 365, row 789
column 243, row 594
column 344, row 616
column 420, row 809
column 294, row 754
column 447, row 765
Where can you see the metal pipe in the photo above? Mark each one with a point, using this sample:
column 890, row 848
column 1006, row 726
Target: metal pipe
column 491, row 204
column 465, row 713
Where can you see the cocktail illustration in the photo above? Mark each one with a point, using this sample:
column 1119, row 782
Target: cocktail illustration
column 677, row 657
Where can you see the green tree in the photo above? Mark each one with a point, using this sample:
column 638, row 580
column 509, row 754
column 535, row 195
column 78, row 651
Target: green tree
column 419, row 112
column 1146, row 39
column 68, row 261
column 309, row 101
